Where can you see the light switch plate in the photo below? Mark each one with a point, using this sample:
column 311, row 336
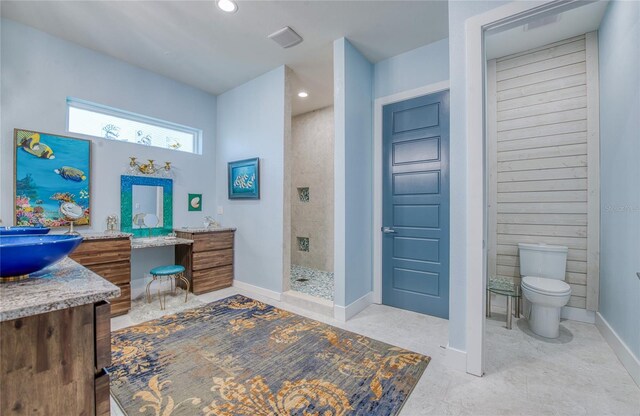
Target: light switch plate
column 220, row 210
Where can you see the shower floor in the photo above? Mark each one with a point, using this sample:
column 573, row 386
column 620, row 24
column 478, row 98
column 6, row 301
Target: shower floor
column 318, row 283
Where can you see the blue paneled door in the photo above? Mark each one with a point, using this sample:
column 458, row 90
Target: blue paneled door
column 415, row 216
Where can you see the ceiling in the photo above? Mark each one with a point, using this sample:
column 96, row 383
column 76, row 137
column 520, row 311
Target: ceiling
column 195, row 43
column 570, row 23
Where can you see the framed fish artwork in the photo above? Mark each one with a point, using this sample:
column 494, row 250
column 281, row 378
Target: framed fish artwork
column 244, row 179
column 50, row 170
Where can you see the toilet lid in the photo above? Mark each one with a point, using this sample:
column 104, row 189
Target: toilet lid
column 547, row 286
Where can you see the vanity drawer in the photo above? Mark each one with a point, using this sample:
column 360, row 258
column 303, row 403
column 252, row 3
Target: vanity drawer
column 117, row 273
column 212, row 279
column 212, row 241
column 102, row 251
column 122, row 303
column 209, row 259
column 102, row 394
column 102, row 317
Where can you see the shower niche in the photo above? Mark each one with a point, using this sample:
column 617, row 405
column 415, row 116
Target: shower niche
column 303, row 243
column 303, row 194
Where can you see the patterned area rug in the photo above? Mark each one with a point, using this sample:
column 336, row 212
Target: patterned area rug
column 241, row 357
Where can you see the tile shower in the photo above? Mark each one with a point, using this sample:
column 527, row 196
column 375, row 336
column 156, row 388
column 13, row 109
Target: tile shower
column 312, row 203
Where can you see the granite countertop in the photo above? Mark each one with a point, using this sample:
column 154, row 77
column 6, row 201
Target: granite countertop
column 63, row 285
column 158, row 242
column 96, row 235
column 197, row 230
column 105, row 235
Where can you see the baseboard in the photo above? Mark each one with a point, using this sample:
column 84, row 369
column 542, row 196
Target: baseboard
column 578, row 314
column 257, row 289
column 344, row 313
column 308, row 302
column 630, row 362
column 456, row 359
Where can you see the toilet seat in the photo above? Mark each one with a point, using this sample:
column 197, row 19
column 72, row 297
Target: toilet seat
column 545, row 286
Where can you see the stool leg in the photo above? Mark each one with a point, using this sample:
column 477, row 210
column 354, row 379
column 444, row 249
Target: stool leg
column 160, row 298
column 186, row 282
column 516, row 313
column 509, row 314
column 488, row 304
column 148, row 290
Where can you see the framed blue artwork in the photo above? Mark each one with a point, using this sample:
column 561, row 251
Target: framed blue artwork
column 244, row 179
column 49, row 170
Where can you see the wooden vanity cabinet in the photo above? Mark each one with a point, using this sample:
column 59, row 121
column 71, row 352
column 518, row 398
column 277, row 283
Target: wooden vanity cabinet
column 53, row 363
column 111, row 259
column 209, row 261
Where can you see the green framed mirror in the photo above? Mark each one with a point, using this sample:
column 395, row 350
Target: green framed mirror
column 146, row 205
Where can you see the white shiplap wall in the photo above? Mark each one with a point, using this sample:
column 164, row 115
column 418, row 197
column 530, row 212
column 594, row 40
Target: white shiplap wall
column 539, row 170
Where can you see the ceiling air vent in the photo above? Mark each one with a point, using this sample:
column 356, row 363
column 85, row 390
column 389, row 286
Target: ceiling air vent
column 286, row 37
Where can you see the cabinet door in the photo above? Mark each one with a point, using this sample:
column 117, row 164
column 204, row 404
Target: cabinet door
column 48, row 371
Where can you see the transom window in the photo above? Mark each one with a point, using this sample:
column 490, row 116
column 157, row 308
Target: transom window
column 110, row 123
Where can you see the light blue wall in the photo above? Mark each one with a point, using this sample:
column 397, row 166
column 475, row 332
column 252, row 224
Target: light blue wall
column 39, row 71
column 353, row 78
column 251, row 123
column 419, row 67
column 619, row 42
column 459, row 11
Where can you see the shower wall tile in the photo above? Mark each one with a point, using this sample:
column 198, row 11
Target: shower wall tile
column 312, row 167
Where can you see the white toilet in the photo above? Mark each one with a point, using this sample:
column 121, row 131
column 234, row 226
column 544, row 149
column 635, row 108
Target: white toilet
column 542, row 268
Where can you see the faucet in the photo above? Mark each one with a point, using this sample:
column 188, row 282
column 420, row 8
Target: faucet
column 209, row 222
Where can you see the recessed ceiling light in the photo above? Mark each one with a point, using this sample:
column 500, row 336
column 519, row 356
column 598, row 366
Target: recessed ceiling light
column 228, row 6
column 303, row 94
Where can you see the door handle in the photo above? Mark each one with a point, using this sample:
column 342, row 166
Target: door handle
column 388, row 230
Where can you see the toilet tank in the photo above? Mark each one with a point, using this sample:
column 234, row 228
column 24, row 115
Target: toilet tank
column 543, row 260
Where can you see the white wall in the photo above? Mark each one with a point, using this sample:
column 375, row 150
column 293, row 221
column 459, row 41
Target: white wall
column 353, row 248
column 40, row 71
column 459, row 11
column 620, row 171
column 251, row 123
column 422, row 66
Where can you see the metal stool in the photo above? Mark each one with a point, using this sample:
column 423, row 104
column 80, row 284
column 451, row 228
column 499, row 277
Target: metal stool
column 506, row 288
column 174, row 272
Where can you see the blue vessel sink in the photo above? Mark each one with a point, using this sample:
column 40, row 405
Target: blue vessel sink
column 21, row 255
column 24, row 230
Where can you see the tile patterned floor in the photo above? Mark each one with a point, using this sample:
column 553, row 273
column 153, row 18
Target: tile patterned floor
column 525, row 375
column 319, row 283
